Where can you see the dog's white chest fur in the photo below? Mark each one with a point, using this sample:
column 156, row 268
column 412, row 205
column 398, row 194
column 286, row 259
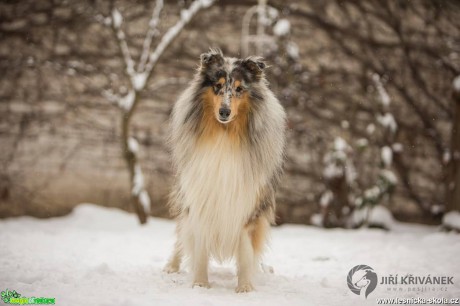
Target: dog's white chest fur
column 220, row 191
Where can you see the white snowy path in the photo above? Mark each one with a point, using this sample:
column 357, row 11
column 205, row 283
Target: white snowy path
column 101, row 256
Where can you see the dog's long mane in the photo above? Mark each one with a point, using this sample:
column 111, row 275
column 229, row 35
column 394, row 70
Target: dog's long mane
column 243, row 158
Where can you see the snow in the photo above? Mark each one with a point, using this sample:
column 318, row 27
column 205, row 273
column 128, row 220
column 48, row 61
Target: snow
column 282, row 27
column 340, row 144
column 138, row 183
column 185, row 15
column 389, row 176
column 126, row 102
column 326, row 198
column 103, row 20
column 272, row 13
column 362, row 142
column 337, row 164
column 117, row 18
column 350, row 172
column 383, row 94
column 370, row 129
column 436, row 209
column 397, row 147
column 207, row 3
column 332, row 171
column 387, row 156
column 30, row 60
column 101, row 256
column 138, row 180
column 292, row 50
column 121, row 35
column 133, row 145
column 456, row 83
column 452, row 220
column 378, row 215
column 71, row 71
column 138, row 80
column 153, row 23
column 317, row 220
column 372, row 193
column 388, row 121
column 144, row 199
column 446, row 157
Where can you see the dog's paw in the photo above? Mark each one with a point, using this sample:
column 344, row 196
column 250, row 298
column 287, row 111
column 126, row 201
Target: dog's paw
column 171, row 268
column 201, row 284
column 244, row 288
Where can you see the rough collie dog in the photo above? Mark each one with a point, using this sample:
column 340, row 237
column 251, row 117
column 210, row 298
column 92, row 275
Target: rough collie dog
column 228, row 134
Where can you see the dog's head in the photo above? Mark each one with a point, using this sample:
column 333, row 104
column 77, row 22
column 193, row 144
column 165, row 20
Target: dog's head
column 230, row 83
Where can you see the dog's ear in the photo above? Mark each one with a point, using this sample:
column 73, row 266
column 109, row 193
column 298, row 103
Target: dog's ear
column 212, row 58
column 255, row 66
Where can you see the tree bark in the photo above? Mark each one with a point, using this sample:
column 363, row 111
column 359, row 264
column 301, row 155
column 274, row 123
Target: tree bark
column 131, row 161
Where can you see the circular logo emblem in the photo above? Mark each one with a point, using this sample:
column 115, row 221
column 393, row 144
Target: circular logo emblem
column 362, row 280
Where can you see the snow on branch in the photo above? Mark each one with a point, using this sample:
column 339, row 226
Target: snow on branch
column 337, row 162
column 153, row 23
column 282, row 27
column 451, row 220
column 456, row 84
column 148, row 59
column 173, row 32
column 387, row 156
column 110, row 96
column 124, row 102
column 117, row 20
column 138, row 189
column 383, row 94
column 133, row 145
column 388, row 122
column 138, row 183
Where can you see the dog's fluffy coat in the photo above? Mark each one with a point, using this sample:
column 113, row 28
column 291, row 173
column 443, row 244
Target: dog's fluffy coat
column 227, row 172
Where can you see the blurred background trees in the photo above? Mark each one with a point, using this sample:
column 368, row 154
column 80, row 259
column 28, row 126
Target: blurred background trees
column 368, row 87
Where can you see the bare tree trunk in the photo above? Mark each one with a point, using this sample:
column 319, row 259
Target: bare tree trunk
column 335, row 212
column 453, row 166
column 131, row 161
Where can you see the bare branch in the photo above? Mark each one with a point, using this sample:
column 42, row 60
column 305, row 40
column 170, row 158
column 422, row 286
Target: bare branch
column 117, row 20
column 153, row 23
column 173, row 32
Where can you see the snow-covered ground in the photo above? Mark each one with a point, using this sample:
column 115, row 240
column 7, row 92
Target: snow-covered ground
column 101, row 256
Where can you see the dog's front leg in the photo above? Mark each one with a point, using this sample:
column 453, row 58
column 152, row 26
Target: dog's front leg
column 200, row 260
column 245, row 262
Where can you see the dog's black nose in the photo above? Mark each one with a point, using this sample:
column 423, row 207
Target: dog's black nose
column 224, row 113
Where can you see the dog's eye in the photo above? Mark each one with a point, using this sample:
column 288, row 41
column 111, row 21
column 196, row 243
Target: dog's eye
column 239, row 89
column 218, row 86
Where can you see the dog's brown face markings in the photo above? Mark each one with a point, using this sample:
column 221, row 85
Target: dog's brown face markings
column 229, row 95
column 230, row 82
